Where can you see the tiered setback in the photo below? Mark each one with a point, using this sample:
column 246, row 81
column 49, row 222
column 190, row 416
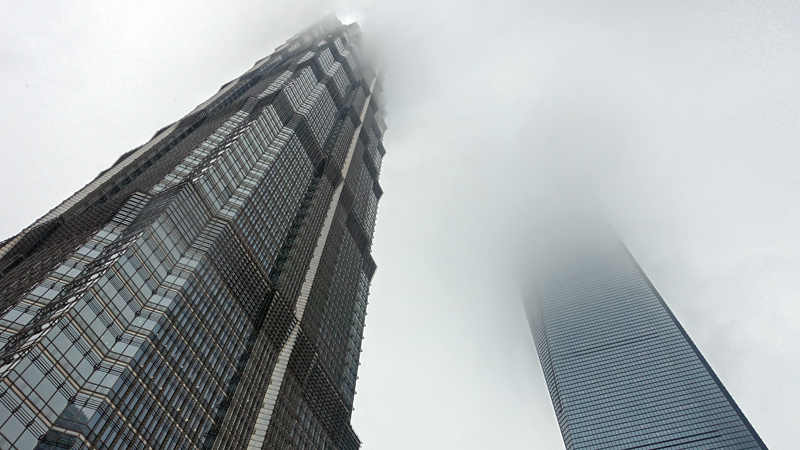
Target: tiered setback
column 219, row 271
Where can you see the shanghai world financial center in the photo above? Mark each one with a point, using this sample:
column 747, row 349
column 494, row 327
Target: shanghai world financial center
column 622, row 372
column 209, row 290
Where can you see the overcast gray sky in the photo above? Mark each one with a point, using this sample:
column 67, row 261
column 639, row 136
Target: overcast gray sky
column 677, row 119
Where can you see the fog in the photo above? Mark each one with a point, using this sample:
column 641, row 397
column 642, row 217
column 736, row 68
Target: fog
column 678, row 121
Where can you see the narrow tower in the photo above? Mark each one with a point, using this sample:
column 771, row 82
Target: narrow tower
column 622, row 372
column 208, row 290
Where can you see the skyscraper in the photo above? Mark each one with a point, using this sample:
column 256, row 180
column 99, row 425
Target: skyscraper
column 622, row 372
column 208, row 290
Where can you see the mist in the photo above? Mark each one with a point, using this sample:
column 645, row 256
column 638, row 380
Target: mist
column 677, row 121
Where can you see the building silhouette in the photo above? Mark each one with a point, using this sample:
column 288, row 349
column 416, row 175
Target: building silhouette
column 208, row 290
column 622, row 372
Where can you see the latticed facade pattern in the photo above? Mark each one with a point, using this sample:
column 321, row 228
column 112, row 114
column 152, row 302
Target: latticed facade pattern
column 208, row 291
column 622, row 372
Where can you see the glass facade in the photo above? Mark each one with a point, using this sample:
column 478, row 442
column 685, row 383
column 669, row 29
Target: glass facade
column 622, row 372
column 208, row 291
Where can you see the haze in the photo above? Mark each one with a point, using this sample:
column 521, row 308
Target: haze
column 678, row 120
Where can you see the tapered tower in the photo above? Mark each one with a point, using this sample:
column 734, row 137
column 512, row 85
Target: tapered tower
column 622, row 372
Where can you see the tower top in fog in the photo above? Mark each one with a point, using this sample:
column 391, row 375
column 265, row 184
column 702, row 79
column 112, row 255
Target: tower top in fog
column 209, row 289
column 621, row 370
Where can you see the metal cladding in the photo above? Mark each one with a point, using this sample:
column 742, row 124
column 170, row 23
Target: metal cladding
column 622, row 372
column 208, row 291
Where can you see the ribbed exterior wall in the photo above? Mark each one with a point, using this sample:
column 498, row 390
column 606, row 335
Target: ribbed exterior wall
column 150, row 309
column 621, row 371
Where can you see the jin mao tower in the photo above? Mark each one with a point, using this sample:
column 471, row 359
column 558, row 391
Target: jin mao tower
column 208, row 290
